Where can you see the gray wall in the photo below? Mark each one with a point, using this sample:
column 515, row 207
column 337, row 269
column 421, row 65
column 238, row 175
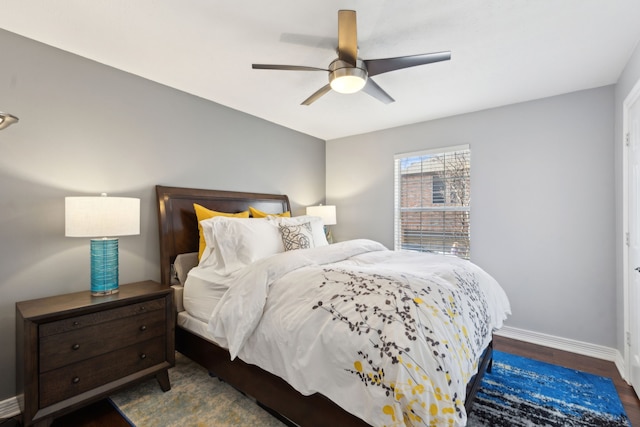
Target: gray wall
column 86, row 128
column 542, row 209
column 629, row 77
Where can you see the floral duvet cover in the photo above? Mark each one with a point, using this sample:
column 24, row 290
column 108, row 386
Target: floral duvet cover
column 392, row 337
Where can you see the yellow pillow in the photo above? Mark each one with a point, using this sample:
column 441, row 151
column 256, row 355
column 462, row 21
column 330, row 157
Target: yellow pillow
column 259, row 214
column 203, row 213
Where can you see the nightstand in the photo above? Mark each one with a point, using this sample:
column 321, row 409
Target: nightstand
column 74, row 349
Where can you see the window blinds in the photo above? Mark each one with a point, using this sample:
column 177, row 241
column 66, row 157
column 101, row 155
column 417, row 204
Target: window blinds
column 432, row 201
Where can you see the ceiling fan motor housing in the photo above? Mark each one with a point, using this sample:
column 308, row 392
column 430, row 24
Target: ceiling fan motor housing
column 345, row 78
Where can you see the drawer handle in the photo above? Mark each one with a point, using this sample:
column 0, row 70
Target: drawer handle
column 75, row 380
column 143, row 356
column 142, row 308
column 76, row 323
column 75, row 346
column 143, row 328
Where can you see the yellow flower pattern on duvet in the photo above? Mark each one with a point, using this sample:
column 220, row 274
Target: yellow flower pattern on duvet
column 412, row 322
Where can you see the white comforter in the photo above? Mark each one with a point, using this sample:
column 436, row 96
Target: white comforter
column 392, row 337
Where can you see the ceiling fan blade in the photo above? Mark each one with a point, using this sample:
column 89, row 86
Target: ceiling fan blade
column 379, row 66
column 317, row 94
column 285, row 67
column 377, row 92
column 347, row 36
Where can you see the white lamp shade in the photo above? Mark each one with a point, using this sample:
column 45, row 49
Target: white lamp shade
column 326, row 212
column 101, row 216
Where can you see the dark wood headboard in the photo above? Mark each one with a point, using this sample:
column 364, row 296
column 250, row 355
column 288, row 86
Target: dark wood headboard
column 177, row 223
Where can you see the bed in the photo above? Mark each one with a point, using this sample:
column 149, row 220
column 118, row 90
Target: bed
column 179, row 235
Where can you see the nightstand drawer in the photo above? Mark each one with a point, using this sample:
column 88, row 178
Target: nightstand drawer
column 69, row 347
column 69, row 381
column 79, row 322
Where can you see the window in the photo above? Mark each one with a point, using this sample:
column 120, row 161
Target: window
column 438, row 190
column 432, row 201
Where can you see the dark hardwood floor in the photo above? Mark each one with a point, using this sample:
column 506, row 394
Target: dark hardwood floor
column 102, row 414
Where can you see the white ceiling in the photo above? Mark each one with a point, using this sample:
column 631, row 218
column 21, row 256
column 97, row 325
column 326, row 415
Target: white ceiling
column 503, row 51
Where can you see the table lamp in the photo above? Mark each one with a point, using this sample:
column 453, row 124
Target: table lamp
column 102, row 218
column 328, row 215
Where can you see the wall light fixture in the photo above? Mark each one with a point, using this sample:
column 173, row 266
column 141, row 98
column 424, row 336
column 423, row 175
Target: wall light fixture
column 6, row 120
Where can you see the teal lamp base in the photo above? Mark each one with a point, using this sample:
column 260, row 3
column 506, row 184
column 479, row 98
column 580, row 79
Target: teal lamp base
column 104, row 266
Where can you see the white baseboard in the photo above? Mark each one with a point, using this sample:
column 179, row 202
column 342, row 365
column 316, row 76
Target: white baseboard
column 9, row 408
column 622, row 367
column 566, row 344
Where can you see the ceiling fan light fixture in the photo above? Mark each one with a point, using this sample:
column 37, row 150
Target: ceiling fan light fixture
column 345, row 78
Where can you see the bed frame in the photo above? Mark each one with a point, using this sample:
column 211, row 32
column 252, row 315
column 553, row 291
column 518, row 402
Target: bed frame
column 178, row 229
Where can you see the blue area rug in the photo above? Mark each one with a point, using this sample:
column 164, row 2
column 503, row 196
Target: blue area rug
column 518, row 392
column 524, row 392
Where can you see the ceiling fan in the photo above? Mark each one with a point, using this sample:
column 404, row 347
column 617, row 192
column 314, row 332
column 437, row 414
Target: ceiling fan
column 350, row 74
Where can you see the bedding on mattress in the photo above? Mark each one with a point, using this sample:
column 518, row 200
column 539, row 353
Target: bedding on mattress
column 194, row 325
column 392, row 337
column 202, row 292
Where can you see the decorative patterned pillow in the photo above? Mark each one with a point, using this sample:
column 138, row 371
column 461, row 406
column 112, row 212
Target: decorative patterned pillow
column 317, row 227
column 297, row 236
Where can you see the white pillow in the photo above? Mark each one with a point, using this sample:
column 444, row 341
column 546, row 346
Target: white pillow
column 317, row 226
column 184, row 263
column 238, row 242
column 211, row 254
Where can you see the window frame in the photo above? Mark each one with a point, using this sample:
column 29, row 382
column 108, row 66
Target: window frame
column 437, row 205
